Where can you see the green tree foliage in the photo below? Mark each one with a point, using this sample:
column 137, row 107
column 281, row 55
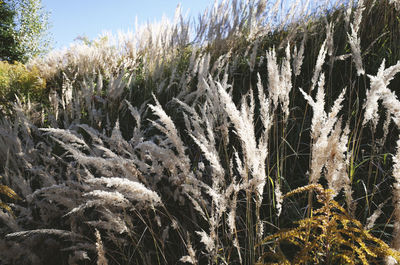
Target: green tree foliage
column 32, row 28
column 8, row 42
column 23, row 30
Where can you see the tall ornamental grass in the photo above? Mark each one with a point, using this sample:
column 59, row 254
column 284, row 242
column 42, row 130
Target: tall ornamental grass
column 253, row 135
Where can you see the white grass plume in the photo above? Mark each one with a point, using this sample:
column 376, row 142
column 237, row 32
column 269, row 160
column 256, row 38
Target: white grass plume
column 318, row 65
column 208, row 242
column 101, row 255
column 191, row 258
column 379, row 91
column 279, row 80
column 396, row 202
column 354, row 39
column 204, row 138
column 131, row 189
column 55, row 232
column 254, row 153
column 299, row 56
column 396, row 4
column 112, row 222
column 326, row 140
column 278, row 197
column 169, row 129
column 374, row 216
column 231, row 218
column 102, row 198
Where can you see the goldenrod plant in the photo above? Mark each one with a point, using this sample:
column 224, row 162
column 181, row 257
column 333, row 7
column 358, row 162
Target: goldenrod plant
column 329, row 236
column 18, row 80
column 10, row 194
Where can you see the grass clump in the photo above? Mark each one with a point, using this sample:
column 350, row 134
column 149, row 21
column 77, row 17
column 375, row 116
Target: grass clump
column 172, row 146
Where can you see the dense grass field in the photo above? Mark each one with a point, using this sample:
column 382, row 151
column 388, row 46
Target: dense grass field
column 252, row 135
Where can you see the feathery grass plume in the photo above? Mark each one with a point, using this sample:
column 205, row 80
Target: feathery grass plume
column 278, row 198
column 203, row 70
column 396, row 203
column 54, row 104
column 201, row 127
column 385, row 128
column 66, row 98
column 354, row 39
column 205, row 138
column 348, row 12
column 116, row 86
column 329, row 148
column 379, row 91
column 374, row 216
column 358, row 15
column 319, row 115
column 298, row 57
column 19, row 153
column 254, row 153
column 103, row 160
column 279, row 80
column 65, row 195
column 338, row 159
column 55, row 232
column 169, row 129
column 329, row 38
column 253, row 55
column 264, row 111
column 396, row 3
column 137, row 134
column 191, row 258
column 101, row 255
column 206, row 141
column 318, row 65
column 112, row 222
column 232, row 218
column 103, row 198
column 130, row 189
column 221, row 66
column 68, row 136
column 207, row 240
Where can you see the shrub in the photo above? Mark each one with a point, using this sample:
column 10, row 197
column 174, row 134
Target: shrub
column 17, row 80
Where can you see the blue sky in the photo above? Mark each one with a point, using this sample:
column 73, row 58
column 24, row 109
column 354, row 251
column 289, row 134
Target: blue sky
column 72, row 18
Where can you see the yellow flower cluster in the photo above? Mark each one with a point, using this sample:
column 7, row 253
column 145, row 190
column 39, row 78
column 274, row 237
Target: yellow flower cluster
column 329, row 236
column 17, row 79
